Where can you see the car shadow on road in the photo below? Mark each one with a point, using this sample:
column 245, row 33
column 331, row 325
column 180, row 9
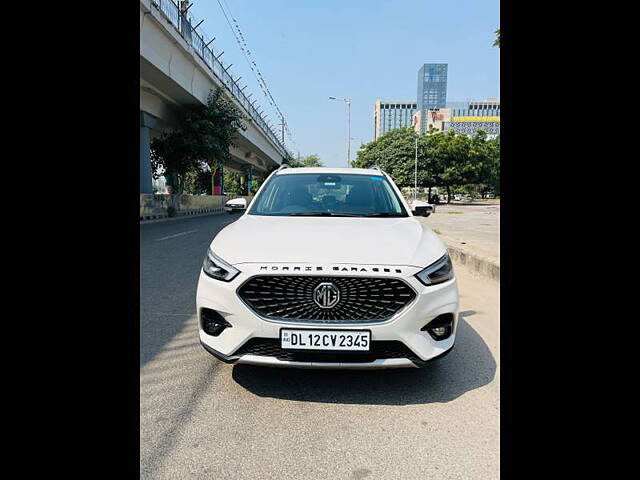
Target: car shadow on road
column 469, row 366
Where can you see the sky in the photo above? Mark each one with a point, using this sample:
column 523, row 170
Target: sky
column 309, row 50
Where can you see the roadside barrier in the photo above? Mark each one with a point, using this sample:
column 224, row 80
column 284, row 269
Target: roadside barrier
column 485, row 266
column 161, row 206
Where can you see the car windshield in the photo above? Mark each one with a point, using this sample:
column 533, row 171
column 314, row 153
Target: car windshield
column 348, row 195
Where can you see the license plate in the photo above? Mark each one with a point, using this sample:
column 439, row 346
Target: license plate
column 293, row 339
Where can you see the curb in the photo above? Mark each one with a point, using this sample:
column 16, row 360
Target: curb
column 483, row 265
column 191, row 213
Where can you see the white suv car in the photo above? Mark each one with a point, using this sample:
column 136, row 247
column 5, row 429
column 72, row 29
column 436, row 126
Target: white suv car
column 327, row 268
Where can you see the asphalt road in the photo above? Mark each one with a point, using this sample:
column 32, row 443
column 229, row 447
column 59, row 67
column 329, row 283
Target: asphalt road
column 201, row 418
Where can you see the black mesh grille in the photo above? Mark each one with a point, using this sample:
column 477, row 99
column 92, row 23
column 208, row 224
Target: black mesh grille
column 380, row 349
column 291, row 297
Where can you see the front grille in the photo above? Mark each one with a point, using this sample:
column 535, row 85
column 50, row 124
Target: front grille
column 362, row 300
column 380, row 349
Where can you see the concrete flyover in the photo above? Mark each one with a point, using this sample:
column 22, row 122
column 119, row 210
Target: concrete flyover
column 177, row 69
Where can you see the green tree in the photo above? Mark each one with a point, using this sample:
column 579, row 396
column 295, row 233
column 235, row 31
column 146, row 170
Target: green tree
column 492, row 172
column 232, row 185
column 444, row 159
column 496, row 42
column 198, row 182
column 395, row 153
column 458, row 161
column 203, row 136
column 308, row 161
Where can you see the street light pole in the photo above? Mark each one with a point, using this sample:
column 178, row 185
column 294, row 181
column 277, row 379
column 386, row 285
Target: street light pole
column 282, row 125
column 415, row 189
column 348, row 102
column 349, row 133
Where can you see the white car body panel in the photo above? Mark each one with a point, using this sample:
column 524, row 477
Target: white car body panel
column 328, row 246
column 402, row 241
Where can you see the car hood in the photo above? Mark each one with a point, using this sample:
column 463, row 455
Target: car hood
column 382, row 241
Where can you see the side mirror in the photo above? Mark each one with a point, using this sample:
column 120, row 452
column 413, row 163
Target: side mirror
column 422, row 211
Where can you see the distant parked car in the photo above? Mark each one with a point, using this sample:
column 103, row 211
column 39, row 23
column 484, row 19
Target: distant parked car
column 237, row 205
column 490, row 195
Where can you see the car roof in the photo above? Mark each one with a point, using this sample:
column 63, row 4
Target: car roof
column 329, row 170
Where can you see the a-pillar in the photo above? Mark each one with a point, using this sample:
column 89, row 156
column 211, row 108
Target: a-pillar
column 147, row 122
column 218, row 179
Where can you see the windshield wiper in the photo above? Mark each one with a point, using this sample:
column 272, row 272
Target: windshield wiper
column 322, row 214
column 385, row 214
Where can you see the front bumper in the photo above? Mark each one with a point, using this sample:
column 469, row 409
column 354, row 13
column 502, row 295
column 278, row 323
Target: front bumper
column 275, row 362
column 403, row 327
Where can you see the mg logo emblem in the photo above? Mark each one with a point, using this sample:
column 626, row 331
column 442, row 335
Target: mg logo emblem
column 326, row 295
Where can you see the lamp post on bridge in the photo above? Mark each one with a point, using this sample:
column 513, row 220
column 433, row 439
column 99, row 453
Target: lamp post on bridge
column 348, row 102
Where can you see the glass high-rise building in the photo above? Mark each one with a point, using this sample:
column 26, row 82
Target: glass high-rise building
column 432, row 89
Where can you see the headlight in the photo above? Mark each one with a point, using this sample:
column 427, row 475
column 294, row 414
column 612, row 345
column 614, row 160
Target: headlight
column 438, row 272
column 217, row 268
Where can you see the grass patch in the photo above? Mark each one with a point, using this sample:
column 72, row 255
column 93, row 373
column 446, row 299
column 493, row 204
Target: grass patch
column 437, row 231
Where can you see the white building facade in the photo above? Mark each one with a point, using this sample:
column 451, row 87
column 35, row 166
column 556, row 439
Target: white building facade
column 389, row 116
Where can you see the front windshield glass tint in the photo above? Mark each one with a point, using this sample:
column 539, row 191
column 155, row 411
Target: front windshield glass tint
column 308, row 194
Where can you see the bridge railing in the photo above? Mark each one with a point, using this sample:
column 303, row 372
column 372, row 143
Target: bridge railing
column 182, row 23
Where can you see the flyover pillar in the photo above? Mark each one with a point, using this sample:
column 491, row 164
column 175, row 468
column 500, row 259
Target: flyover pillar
column 218, row 179
column 243, row 184
column 147, row 122
column 248, row 178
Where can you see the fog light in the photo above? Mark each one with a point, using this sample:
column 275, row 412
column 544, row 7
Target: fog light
column 441, row 327
column 439, row 331
column 212, row 322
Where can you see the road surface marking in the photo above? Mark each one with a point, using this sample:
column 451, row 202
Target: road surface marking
column 176, row 235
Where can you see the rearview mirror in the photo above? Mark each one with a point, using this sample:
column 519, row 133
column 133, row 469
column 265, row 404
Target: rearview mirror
column 421, row 209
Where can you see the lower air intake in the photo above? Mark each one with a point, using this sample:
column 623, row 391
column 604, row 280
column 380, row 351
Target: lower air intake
column 380, row 349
